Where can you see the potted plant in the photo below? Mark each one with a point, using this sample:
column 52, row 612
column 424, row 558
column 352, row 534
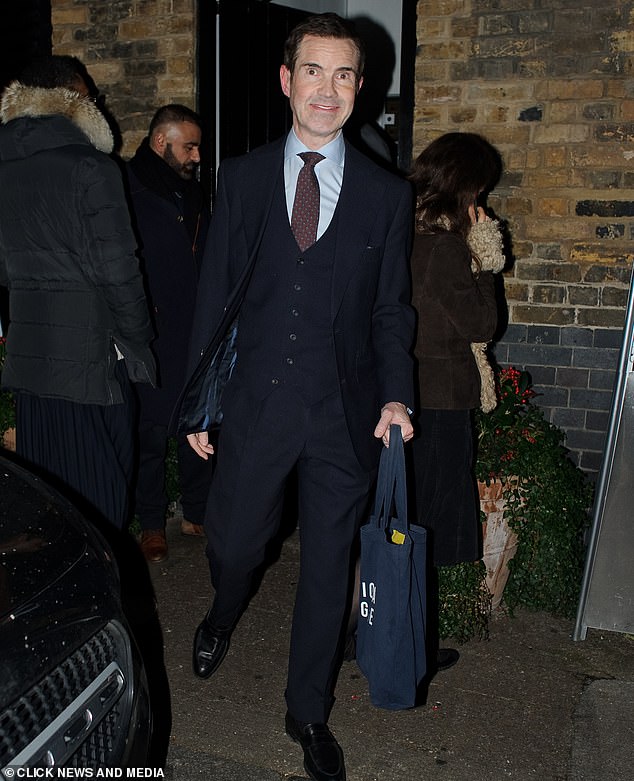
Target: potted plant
column 7, row 407
column 546, row 500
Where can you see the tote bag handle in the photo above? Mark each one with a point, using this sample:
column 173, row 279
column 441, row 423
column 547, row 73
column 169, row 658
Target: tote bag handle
column 391, row 491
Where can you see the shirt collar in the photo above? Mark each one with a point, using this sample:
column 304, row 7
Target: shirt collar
column 334, row 150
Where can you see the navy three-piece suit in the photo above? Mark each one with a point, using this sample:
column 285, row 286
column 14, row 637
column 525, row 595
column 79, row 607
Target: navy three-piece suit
column 324, row 341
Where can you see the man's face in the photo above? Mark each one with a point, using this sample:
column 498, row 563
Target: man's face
column 322, row 88
column 81, row 87
column 178, row 143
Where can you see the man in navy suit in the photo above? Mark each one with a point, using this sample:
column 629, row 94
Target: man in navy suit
column 323, row 368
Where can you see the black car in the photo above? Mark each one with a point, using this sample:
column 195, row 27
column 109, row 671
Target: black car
column 73, row 691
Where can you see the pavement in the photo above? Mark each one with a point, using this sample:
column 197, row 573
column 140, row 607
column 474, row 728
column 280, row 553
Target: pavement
column 527, row 703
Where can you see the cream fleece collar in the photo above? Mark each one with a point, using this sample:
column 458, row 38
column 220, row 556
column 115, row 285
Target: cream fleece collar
column 19, row 100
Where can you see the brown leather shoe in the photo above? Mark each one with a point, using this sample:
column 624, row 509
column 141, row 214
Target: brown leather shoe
column 190, row 529
column 154, row 545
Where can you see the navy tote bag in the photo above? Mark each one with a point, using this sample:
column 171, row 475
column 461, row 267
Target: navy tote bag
column 391, row 628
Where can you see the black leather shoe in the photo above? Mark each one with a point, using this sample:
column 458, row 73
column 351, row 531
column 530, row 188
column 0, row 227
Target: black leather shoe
column 446, row 658
column 210, row 649
column 323, row 757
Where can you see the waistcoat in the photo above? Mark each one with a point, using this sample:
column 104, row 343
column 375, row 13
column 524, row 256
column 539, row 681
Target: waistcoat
column 285, row 332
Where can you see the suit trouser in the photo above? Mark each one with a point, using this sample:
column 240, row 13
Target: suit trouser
column 260, row 444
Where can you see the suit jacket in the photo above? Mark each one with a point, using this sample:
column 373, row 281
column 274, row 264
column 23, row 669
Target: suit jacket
column 372, row 320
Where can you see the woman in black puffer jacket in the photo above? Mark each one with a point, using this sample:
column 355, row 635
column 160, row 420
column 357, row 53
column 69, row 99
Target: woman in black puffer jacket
column 79, row 325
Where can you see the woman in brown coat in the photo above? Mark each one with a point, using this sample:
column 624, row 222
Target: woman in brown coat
column 457, row 248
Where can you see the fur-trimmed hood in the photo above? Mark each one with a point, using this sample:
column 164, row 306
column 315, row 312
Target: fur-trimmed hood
column 19, row 101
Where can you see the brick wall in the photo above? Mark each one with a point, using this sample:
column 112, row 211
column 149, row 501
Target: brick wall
column 141, row 54
column 552, row 87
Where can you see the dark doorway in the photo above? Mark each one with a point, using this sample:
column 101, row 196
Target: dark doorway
column 241, row 45
column 25, row 33
column 253, row 109
column 407, row 98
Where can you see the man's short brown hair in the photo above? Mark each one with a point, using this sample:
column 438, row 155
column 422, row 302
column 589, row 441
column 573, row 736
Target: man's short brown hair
column 322, row 26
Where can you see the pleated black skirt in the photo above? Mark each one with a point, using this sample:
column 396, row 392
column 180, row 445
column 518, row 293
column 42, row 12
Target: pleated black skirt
column 85, row 450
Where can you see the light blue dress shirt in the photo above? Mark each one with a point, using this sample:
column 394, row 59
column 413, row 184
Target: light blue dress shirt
column 329, row 175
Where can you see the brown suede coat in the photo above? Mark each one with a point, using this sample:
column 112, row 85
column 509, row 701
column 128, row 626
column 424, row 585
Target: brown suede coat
column 455, row 308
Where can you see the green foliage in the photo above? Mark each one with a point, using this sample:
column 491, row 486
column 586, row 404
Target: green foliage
column 547, row 497
column 547, row 504
column 134, row 527
column 514, row 435
column 464, row 601
column 549, row 512
column 7, row 404
column 7, row 412
column 172, row 486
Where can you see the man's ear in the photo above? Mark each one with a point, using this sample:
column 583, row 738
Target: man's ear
column 285, row 80
column 157, row 142
column 360, row 84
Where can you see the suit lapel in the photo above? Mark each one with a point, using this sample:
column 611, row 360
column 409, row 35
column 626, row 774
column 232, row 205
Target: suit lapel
column 263, row 172
column 356, row 209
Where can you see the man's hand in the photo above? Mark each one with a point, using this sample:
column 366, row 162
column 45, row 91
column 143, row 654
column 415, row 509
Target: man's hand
column 394, row 413
column 200, row 443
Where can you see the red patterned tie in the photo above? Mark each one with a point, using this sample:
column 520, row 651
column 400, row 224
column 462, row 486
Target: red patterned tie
column 305, row 215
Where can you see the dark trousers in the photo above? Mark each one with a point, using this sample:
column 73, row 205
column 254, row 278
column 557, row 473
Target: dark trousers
column 261, row 442
column 194, row 478
column 85, row 450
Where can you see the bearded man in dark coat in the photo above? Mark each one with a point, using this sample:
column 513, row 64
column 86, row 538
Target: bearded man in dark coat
column 171, row 217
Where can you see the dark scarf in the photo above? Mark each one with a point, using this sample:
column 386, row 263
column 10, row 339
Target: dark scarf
column 157, row 175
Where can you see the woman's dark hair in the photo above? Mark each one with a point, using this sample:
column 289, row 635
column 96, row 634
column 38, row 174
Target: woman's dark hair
column 322, row 26
column 449, row 175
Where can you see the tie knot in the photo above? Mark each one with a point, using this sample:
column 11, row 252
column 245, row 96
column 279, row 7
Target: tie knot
column 311, row 158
